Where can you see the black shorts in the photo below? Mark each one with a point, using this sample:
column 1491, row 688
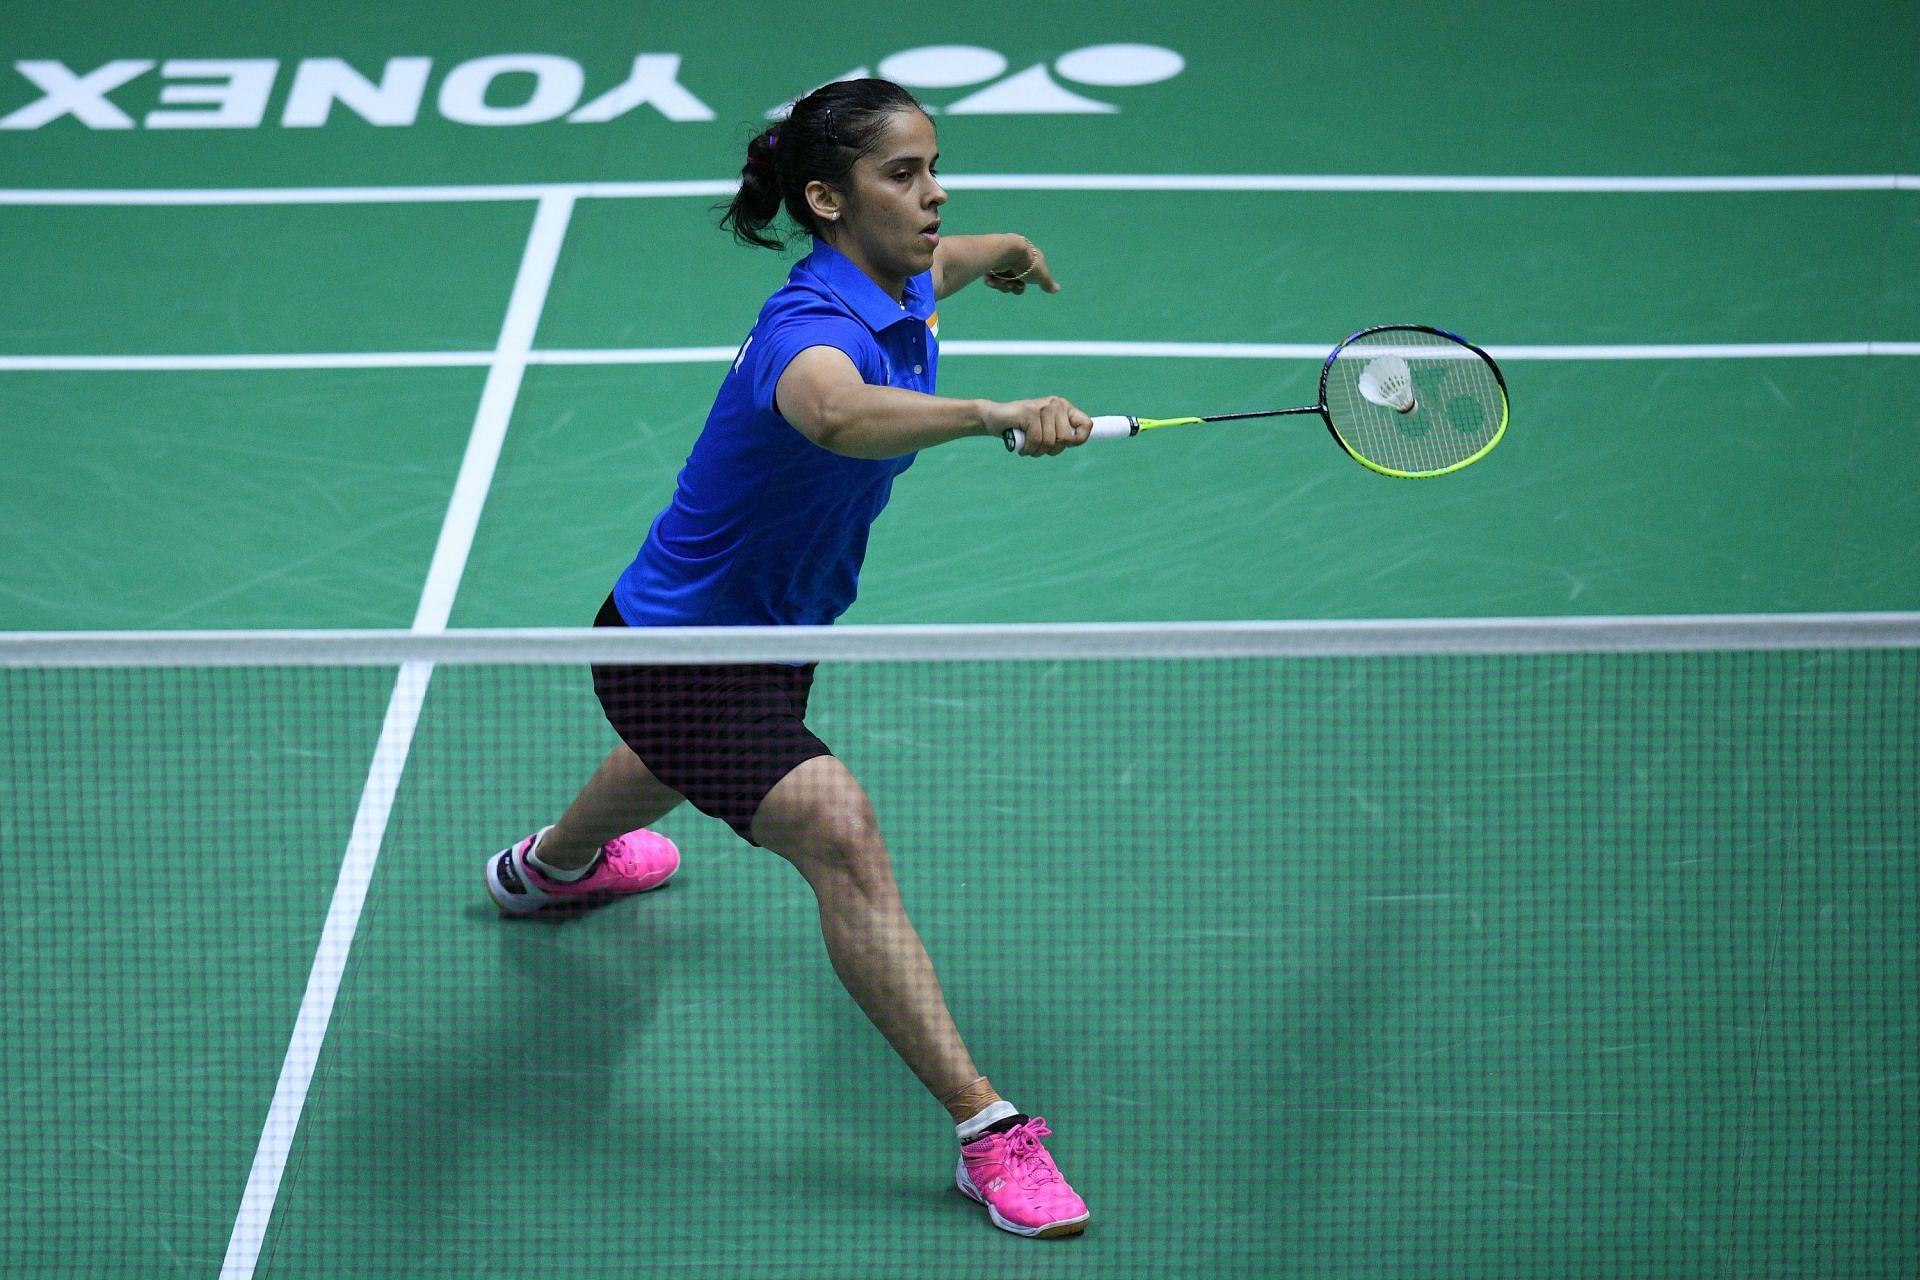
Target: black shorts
column 721, row 735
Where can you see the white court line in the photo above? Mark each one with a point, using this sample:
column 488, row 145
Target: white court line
column 291, row 360
column 957, row 347
column 496, row 409
column 456, row 194
column 1492, row 185
column 323, row 980
column 509, row 363
column 641, row 355
column 1195, row 182
column 1308, row 351
column 1711, row 351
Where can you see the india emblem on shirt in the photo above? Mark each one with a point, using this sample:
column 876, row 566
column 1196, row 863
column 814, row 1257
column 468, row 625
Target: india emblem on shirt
column 933, row 324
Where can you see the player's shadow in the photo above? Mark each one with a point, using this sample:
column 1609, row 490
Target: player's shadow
column 1327, row 1025
column 574, row 991
column 497, row 1053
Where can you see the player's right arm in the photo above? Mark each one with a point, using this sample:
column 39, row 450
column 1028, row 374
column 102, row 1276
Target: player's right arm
column 822, row 394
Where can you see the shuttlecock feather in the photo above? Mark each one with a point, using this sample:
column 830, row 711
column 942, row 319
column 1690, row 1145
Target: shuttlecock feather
column 1387, row 381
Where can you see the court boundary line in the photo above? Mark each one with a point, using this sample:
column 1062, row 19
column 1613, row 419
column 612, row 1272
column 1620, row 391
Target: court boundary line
column 1495, row 184
column 960, row 347
column 532, row 283
column 922, row 642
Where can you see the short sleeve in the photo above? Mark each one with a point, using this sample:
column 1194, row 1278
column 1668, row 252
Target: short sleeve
column 778, row 340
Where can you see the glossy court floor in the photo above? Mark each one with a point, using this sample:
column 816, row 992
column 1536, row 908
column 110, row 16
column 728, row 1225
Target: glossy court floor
column 1466, row 968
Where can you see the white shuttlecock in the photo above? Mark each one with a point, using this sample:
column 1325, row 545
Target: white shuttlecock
column 1387, row 381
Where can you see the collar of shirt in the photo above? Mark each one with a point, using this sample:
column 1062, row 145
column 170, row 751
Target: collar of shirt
column 862, row 296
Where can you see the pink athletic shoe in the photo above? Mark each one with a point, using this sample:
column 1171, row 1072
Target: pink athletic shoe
column 1012, row 1174
column 628, row 864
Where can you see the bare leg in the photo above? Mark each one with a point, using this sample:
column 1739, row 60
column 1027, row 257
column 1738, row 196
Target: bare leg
column 819, row 818
column 621, row 796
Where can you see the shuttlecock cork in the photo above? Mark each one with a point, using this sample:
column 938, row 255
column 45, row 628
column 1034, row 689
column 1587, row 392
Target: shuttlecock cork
column 1387, row 381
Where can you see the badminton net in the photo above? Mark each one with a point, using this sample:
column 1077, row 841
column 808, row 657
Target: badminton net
column 1463, row 949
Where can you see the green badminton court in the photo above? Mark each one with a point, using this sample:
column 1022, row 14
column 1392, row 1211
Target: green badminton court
column 1485, row 968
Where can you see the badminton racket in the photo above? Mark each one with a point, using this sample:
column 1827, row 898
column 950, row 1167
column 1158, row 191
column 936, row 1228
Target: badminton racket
column 1403, row 400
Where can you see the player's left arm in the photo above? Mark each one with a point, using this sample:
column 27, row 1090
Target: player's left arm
column 1009, row 263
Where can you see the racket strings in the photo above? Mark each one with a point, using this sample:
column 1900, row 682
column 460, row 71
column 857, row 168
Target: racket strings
column 1411, row 402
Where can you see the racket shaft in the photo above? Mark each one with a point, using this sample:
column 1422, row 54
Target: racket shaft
column 1113, row 426
column 1261, row 413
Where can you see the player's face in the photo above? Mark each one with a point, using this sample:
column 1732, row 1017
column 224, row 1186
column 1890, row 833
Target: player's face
column 892, row 214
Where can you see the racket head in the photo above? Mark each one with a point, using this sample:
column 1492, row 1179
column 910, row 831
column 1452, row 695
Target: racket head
column 1458, row 410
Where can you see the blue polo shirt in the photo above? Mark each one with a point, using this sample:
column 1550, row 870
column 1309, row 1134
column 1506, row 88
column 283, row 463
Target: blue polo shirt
column 765, row 526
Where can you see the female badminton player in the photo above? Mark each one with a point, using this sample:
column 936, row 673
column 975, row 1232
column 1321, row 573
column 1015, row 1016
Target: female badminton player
column 827, row 402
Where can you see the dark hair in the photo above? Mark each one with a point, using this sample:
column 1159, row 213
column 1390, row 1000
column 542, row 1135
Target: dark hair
column 820, row 139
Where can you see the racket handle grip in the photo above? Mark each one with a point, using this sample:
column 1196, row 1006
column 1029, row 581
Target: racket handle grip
column 1111, row 427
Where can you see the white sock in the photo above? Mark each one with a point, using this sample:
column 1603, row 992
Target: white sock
column 563, row 875
column 991, row 1114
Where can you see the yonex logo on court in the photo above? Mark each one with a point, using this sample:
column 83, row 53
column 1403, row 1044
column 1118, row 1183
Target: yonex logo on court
column 1034, row 90
column 534, row 88
column 234, row 93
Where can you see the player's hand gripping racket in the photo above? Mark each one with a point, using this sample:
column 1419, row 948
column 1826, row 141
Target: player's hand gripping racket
column 1402, row 399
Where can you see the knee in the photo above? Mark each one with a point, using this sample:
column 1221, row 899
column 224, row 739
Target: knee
column 839, row 843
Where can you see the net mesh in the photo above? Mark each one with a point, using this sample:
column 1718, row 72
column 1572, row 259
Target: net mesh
column 1428, row 964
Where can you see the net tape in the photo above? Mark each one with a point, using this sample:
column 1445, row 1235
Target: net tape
column 1671, row 633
